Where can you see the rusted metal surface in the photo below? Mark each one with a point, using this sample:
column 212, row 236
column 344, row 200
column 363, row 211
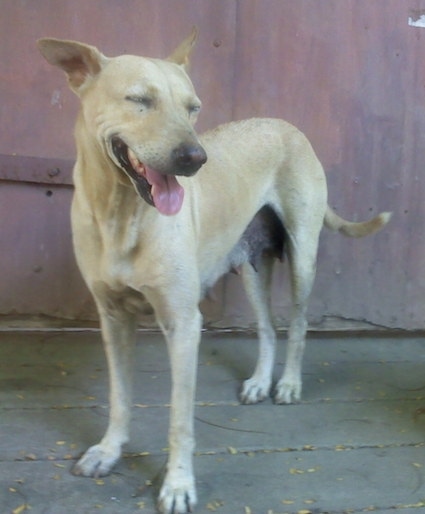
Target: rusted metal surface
column 39, row 274
column 37, row 113
column 37, row 108
column 37, row 170
column 348, row 73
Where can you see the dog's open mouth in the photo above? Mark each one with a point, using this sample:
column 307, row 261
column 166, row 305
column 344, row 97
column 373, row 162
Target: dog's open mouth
column 157, row 189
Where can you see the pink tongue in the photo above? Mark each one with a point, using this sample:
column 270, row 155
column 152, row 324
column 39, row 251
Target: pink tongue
column 167, row 193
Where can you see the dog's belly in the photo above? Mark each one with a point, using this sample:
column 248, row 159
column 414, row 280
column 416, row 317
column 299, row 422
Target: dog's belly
column 264, row 236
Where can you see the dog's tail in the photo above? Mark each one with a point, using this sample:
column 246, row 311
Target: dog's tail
column 352, row 229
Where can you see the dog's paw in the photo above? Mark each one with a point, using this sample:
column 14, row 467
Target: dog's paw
column 96, row 462
column 254, row 391
column 287, row 392
column 177, row 497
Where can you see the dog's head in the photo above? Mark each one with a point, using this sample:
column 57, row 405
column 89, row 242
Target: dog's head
column 140, row 112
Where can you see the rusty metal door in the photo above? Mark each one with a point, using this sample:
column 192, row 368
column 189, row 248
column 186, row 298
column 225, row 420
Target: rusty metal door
column 348, row 73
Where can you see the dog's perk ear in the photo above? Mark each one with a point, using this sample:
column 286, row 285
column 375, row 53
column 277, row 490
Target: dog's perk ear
column 182, row 53
column 78, row 60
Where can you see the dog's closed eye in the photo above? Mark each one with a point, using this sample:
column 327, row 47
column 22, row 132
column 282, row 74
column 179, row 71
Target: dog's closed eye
column 145, row 101
column 193, row 108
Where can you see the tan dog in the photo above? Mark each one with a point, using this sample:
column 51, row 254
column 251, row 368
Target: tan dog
column 144, row 231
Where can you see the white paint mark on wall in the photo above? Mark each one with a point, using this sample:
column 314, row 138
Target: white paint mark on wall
column 56, row 98
column 417, row 21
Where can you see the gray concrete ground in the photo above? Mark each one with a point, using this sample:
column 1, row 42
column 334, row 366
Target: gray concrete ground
column 354, row 444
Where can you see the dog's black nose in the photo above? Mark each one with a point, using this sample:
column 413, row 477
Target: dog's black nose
column 188, row 159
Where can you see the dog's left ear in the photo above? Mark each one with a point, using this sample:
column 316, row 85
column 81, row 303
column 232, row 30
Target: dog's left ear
column 182, row 53
column 79, row 61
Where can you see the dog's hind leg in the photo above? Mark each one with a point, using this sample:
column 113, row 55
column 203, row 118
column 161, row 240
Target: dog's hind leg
column 257, row 286
column 118, row 332
column 303, row 245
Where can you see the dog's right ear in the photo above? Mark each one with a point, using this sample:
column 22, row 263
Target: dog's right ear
column 79, row 61
column 181, row 54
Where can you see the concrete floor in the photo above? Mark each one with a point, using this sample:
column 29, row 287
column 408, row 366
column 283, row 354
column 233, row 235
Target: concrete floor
column 354, row 444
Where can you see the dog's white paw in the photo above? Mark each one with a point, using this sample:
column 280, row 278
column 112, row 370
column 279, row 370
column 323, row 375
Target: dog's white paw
column 287, row 391
column 177, row 497
column 254, row 391
column 96, row 462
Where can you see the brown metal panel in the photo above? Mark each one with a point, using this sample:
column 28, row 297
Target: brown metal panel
column 39, row 273
column 37, row 113
column 17, row 168
column 348, row 74
column 38, row 110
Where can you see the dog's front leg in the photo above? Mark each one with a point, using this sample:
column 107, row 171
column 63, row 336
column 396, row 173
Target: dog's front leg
column 118, row 332
column 178, row 493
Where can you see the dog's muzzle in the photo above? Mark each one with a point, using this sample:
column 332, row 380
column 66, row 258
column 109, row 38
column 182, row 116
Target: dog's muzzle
column 160, row 190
